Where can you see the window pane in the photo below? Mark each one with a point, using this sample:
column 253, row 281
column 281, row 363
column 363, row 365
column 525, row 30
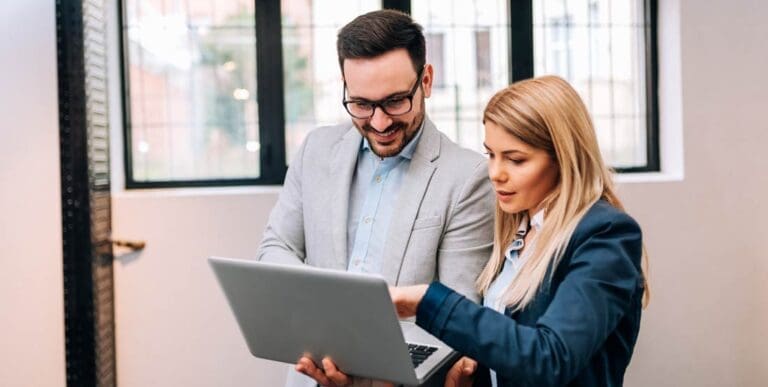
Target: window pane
column 435, row 55
column 483, row 58
column 192, row 84
column 313, row 87
column 471, row 64
column 599, row 46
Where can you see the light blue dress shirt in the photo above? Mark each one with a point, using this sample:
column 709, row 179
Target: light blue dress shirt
column 512, row 264
column 372, row 198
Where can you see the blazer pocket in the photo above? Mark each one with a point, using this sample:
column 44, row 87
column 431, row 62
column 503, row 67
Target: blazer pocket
column 427, row 222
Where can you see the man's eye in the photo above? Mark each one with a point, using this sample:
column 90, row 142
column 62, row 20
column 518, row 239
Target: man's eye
column 362, row 105
column 394, row 101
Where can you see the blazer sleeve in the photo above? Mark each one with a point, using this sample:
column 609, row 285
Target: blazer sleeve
column 468, row 238
column 283, row 240
column 602, row 280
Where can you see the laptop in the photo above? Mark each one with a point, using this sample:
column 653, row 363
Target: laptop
column 286, row 311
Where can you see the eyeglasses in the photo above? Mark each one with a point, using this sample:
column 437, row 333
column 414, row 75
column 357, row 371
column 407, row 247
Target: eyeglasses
column 393, row 106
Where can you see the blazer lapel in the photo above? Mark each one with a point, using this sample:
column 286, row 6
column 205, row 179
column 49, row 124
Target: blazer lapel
column 344, row 160
column 414, row 185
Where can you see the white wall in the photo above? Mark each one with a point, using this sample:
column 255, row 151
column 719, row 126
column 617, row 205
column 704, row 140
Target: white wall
column 31, row 295
column 707, row 235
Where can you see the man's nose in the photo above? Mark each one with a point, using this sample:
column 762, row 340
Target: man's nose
column 380, row 120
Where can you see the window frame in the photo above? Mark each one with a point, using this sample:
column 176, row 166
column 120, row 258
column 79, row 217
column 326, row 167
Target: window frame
column 271, row 93
column 269, row 96
column 522, row 67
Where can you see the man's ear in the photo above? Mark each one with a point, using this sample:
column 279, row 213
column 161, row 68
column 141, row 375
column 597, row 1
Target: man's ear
column 426, row 80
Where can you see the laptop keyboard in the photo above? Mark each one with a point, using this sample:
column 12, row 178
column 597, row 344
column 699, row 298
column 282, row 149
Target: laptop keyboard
column 419, row 353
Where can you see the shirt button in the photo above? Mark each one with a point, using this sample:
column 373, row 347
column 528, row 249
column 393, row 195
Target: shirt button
column 378, row 179
column 367, row 219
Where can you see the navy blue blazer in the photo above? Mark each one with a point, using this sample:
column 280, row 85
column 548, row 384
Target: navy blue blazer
column 579, row 330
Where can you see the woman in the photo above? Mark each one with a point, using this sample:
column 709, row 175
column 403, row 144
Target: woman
column 564, row 288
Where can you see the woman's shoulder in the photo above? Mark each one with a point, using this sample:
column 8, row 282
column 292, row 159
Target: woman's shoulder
column 606, row 240
column 603, row 214
column 605, row 219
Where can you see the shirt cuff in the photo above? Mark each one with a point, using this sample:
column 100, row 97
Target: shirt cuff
column 431, row 306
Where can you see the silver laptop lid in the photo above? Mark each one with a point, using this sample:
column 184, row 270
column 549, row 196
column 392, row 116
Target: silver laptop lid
column 287, row 311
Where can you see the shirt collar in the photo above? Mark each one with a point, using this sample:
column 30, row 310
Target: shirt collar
column 408, row 150
column 538, row 220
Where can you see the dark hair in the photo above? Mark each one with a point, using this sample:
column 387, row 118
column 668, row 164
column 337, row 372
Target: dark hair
column 378, row 32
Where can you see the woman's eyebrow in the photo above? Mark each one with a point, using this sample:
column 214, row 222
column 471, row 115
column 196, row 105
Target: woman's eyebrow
column 506, row 152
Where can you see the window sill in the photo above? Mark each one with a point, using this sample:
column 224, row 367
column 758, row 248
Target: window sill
column 647, row 177
column 201, row 191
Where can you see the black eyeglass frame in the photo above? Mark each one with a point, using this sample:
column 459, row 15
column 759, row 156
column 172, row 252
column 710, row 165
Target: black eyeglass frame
column 382, row 102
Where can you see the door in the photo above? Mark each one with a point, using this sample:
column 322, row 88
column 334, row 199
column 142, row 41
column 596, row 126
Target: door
column 173, row 324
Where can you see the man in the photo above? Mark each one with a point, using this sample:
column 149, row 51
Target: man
column 388, row 194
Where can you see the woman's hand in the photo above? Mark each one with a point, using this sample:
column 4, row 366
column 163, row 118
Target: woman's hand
column 462, row 373
column 329, row 375
column 407, row 298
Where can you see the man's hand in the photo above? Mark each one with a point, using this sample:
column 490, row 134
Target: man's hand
column 461, row 374
column 407, row 298
column 329, row 375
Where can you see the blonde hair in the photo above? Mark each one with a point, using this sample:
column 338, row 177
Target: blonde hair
column 547, row 113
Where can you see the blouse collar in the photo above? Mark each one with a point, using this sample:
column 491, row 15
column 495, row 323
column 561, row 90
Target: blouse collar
column 537, row 222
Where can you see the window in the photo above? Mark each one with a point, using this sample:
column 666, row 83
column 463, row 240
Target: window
column 457, row 103
column 559, row 49
column 222, row 92
column 435, row 56
column 483, row 58
column 190, row 70
column 602, row 48
column 313, row 84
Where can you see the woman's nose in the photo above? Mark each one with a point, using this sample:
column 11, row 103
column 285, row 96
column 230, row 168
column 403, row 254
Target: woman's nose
column 495, row 171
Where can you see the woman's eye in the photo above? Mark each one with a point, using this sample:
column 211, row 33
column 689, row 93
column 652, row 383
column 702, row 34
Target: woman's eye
column 516, row 161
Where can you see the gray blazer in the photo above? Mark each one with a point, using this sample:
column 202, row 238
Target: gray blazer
column 442, row 227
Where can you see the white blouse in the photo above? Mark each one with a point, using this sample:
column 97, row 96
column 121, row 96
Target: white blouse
column 512, row 263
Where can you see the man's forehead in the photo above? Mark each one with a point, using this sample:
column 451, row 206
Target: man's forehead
column 396, row 58
column 378, row 77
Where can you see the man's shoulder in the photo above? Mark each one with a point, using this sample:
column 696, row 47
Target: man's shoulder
column 327, row 135
column 458, row 158
column 458, row 152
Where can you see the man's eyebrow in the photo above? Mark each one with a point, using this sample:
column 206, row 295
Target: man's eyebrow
column 396, row 94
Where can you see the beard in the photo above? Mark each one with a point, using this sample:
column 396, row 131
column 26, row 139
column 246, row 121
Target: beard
column 403, row 132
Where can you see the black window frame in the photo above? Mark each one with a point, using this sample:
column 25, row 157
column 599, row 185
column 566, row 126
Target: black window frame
column 271, row 94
